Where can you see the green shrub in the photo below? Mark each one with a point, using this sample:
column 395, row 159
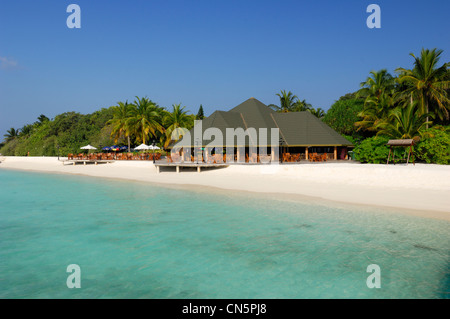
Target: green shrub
column 372, row 150
column 8, row 148
column 343, row 114
column 351, row 139
column 435, row 146
column 65, row 134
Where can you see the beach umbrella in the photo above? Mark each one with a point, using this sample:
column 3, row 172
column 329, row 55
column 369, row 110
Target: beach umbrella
column 88, row 147
column 143, row 147
column 151, row 147
column 115, row 148
column 106, row 148
column 123, row 148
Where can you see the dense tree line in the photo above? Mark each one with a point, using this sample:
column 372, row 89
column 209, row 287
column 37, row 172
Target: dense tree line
column 412, row 104
column 125, row 124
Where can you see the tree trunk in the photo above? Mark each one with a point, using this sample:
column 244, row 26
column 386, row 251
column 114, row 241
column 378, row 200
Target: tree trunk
column 426, row 126
column 129, row 145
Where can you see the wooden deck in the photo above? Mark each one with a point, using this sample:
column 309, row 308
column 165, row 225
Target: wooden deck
column 85, row 161
column 199, row 166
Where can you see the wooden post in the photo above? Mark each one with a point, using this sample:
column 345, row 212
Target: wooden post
column 409, row 153
column 178, row 168
column 281, row 154
column 306, row 153
column 389, row 155
column 199, row 169
column 335, row 152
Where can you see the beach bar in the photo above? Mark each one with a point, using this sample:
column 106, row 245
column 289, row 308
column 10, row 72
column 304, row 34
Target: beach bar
column 301, row 137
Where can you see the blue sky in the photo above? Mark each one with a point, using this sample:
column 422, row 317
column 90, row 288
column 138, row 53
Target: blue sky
column 215, row 53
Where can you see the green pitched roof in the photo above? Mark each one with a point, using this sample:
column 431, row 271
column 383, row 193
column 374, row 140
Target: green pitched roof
column 305, row 129
column 296, row 128
column 255, row 114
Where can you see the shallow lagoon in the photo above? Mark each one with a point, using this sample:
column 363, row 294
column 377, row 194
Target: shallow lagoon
column 136, row 240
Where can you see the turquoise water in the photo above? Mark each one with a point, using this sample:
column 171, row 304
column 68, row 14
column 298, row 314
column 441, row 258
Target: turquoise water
column 133, row 240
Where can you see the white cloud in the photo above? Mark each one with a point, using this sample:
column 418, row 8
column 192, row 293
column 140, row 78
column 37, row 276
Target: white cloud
column 6, row 63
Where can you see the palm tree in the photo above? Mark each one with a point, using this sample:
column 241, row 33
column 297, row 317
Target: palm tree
column 376, row 84
column 287, row 101
column 403, row 122
column 376, row 110
column 119, row 122
column 26, row 130
column 301, row 106
column 42, row 118
column 380, row 97
column 176, row 123
column 11, row 134
column 317, row 112
column 428, row 83
column 145, row 118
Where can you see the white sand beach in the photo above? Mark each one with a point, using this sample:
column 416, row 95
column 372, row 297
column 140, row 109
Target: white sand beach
column 421, row 189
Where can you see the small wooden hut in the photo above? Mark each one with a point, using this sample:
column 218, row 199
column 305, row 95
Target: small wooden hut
column 401, row 143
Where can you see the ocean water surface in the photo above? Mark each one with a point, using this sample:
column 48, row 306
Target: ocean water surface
column 134, row 240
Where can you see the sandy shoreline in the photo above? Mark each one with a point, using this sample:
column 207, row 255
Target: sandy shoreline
column 421, row 190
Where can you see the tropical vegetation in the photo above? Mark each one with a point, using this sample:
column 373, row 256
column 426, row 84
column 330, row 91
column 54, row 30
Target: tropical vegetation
column 291, row 103
column 142, row 121
column 410, row 104
column 407, row 105
column 200, row 114
column 435, row 146
column 343, row 115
